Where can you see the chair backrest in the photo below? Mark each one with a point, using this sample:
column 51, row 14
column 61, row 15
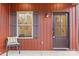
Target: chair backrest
column 12, row 40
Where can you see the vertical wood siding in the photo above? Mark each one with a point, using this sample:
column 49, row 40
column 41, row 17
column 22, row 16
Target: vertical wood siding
column 4, row 24
column 45, row 25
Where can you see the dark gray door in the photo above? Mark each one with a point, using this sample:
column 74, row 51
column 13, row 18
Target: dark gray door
column 60, row 30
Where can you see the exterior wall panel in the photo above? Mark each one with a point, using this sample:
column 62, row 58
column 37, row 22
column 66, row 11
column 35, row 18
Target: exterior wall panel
column 44, row 40
column 45, row 25
column 3, row 26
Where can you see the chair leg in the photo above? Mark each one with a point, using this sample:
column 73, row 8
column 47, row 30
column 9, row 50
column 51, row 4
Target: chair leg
column 6, row 51
column 18, row 49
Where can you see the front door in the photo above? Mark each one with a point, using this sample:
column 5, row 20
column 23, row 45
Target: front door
column 60, row 30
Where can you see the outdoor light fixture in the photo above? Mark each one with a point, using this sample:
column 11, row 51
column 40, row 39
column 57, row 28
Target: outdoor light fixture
column 73, row 3
column 46, row 15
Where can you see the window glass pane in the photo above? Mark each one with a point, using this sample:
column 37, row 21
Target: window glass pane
column 25, row 31
column 25, row 24
column 28, row 19
column 21, row 18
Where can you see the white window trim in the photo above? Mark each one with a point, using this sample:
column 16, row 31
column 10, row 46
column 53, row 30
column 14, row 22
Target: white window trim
column 17, row 26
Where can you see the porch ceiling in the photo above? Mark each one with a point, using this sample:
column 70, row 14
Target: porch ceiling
column 42, row 6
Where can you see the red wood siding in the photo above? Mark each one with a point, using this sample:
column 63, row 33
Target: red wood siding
column 3, row 26
column 45, row 31
column 45, row 25
column 73, row 40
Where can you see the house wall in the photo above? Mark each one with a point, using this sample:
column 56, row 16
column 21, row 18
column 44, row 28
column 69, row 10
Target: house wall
column 45, row 25
column 73, row 28
column 44, row 40
column 3, row 26
column 77, row 22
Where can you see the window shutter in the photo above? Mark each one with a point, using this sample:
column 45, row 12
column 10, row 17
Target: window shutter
column 13, row 24
column 35, row 25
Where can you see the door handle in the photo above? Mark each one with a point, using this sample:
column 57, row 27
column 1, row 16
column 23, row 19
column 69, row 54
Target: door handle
column 53, row 37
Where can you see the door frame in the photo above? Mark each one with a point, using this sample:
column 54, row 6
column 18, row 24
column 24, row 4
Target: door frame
column 67, row 29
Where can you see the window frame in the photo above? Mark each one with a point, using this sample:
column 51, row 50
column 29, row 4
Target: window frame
column 18, row 12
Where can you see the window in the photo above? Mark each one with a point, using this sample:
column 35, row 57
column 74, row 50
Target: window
column 25, row 24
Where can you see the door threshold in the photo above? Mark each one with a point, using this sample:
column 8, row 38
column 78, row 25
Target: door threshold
column 61, row 48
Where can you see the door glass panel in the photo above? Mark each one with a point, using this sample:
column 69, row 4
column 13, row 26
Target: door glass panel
column 60, row 25
column 57, row 25
column 63, row 25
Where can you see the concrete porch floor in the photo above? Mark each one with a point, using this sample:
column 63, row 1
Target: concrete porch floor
column 42, row 53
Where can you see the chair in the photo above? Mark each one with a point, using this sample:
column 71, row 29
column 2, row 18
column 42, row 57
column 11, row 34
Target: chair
column 12, row 42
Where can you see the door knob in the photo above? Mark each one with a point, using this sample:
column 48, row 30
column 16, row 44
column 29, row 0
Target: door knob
column 53, row 37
